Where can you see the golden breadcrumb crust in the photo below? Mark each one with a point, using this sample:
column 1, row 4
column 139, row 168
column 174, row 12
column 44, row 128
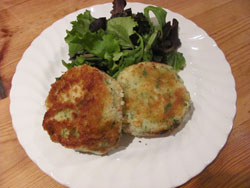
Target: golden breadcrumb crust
column 156, row 99
column 78, row 105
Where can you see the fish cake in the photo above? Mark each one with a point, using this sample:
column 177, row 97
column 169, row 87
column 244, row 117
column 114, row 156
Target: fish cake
column 84, row 110
column 155, row 97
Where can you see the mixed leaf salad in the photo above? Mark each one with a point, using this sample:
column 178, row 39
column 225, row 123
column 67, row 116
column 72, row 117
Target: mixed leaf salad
column 124, row 39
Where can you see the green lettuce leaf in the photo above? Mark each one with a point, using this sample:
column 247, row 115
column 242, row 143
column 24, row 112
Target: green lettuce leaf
column 131, row 57
column 105, row 46
column 176, row 60
column 80, row 26
column 160, row 15
column 149, row 41
column 122, row 29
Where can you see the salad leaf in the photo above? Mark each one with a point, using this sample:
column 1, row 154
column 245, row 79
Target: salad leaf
column 74, row 48
column 104, row 46
column 148, row 51
column 118, row 7
column 97, row 24
column 158, row 12
column 122, row 28
column 160, row 15
column 176, row 60
column 124, row 39
column 132, row 56
column 170, row 40
column 80, row 26
column 143, row 24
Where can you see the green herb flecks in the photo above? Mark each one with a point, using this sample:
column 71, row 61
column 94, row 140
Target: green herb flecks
column 65, row 133
column 144, row 73
column 158, row 82
column 186, row 103
column 167, row 107
column 113, row 124
column 75, row 132
column 175, row 123
column 104, row 144
column 170, row 94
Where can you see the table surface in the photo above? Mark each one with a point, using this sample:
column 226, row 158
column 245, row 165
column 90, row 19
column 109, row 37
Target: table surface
column 226, row 21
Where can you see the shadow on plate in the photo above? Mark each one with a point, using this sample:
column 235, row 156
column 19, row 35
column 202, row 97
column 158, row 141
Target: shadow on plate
column 124, row 143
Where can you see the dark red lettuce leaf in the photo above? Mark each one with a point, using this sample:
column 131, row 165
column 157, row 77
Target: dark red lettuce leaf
column 100, row 23
column 143, row 24
column 169, row 41
column 118, row 7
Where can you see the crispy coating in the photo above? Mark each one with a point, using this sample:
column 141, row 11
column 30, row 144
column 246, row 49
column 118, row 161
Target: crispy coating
column 156, row 99
column 84, row 110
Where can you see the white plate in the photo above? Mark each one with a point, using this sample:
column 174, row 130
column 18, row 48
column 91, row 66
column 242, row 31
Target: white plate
column 159, row 162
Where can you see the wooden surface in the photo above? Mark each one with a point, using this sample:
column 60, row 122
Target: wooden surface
column 226, row 21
